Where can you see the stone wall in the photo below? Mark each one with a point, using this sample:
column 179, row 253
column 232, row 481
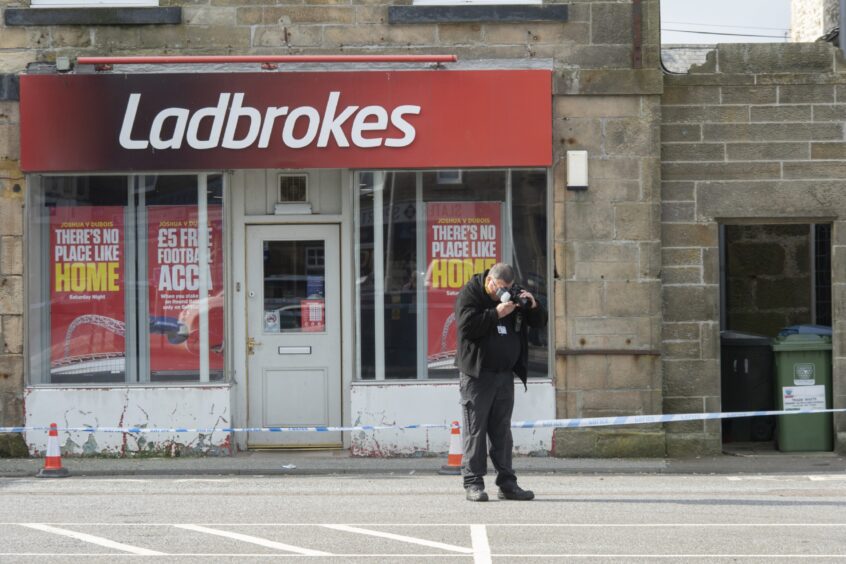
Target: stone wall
column 754, row 135
column 11, row 267
column 606, row 100
column 597, row 35
column 810, row 19
column 607, row 243
column 608, row 330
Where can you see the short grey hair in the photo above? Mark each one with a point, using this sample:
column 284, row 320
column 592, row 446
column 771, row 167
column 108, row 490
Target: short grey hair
column 502, row 271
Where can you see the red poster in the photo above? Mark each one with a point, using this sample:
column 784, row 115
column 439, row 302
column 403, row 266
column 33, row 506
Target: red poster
column 311, row 313
column 87, row 321
column 174, row 278
column 462, row 239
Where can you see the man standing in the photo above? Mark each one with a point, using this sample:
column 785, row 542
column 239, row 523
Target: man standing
column 492, row 346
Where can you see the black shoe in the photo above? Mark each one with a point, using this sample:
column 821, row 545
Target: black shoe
column 476, row 493
column 516, row 493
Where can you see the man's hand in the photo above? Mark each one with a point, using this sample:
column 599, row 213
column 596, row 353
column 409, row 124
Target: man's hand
column 529, row 296
column 505, row 309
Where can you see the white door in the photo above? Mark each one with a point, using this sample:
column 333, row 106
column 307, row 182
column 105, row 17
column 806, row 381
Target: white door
column 293, row 333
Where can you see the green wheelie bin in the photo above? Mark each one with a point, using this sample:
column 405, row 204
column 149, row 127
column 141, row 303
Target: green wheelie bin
column 803, row 381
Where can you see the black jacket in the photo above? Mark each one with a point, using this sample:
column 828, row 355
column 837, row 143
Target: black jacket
column 476, row 319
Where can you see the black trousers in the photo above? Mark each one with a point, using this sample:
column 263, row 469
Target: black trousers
column 487, row 403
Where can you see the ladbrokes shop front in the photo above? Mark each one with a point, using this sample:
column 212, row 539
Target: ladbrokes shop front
column 276, row 248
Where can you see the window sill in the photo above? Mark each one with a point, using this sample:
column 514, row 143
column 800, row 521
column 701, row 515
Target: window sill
column 123, row 386
column 92, row 16
column 497, row 13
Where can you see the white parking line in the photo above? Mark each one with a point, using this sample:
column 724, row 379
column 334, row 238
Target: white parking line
column 237, row 555
column 790, row 478
column 418, row 525
column 124, row 480
column 254, row 540
column 204, row 480
column 400, row 538
column 481, row 547
column 92, row 539
column 480, row 541
column 829, row 478
column 368, row 557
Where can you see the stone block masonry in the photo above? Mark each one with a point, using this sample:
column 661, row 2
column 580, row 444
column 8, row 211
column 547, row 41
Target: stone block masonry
column 755, row 137
column 607, row 241
column 11, row 267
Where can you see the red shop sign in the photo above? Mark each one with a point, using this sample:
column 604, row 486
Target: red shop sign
column 370, row 119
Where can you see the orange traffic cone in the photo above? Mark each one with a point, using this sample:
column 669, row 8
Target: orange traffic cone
column 453, row 465
column 53, row 460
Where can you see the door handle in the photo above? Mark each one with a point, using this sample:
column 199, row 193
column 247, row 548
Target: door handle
column 251, row 345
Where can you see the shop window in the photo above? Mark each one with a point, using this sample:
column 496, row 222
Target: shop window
column 420, row 236
column 122, row 286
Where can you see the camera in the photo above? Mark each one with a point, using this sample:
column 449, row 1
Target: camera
column 513, row 295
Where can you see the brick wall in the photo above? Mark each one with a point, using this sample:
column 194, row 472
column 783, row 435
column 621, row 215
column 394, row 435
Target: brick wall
column 755, row 135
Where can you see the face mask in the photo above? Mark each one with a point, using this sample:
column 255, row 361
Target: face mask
column 503, row 294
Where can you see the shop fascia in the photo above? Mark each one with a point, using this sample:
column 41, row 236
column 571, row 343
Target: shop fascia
column 372, row 120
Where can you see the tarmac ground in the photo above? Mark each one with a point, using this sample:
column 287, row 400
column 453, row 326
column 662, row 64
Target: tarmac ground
column 741, row 459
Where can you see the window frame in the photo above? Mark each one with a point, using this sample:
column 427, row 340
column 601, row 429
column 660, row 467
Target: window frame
column 422, row 374
column 137, row 372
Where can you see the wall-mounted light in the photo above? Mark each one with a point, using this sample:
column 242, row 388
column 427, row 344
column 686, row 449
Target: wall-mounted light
column 577, row 170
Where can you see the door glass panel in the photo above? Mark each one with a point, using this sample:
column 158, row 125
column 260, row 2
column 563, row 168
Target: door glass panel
column 294, row 286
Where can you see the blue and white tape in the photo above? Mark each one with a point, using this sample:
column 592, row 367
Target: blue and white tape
column 541, row 423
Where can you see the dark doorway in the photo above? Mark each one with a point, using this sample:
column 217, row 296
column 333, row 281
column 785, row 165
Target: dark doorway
column 773, row 277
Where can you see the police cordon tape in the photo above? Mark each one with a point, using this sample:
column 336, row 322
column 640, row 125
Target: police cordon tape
column 541, row 423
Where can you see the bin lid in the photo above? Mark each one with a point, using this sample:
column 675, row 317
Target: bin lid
column 802, row 329
column 802, row 342
column 741, row 339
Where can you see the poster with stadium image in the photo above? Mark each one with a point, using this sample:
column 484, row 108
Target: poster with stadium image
column 87, row 314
